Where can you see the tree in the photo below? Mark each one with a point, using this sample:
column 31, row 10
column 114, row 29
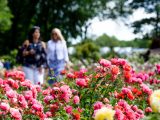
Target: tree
column 5, row 16
column 87, row 50
column 125, row 8
column 150, row 6
column 68, row 15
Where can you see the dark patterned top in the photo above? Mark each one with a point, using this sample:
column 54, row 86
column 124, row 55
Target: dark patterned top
column 38, row 58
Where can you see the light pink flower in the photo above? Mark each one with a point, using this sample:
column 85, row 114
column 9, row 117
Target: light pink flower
column 126, row 90
column 48, row 98
column 76, row 99
column 105, row 63
column 28, row 95
column 66, row 93
column 4, row 106
column 48, row 114
column 37, row 107
column 119, row 114
column 26, row 83
column 146, row 89
column 22, row 101
column 70, row 75
column 16, row 114
column 11, row 94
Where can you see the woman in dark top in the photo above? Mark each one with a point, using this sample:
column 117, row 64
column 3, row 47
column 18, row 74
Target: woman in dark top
column 34, row 57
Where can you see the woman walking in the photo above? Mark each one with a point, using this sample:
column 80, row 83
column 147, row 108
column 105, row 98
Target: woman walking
column 34, row 57
column 57, row 53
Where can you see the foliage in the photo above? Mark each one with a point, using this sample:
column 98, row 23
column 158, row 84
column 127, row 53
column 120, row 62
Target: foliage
column 11, row 57
column 5, row 16
column 87, row 50
column 125, row 8
column 68, row 15
column 111, row 42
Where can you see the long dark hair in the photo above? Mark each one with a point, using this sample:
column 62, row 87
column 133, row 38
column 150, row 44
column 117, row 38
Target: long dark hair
column 30, row 34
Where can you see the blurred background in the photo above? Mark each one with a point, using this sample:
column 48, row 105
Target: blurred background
column 93, row 29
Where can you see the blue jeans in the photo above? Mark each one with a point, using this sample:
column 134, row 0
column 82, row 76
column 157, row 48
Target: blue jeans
column 56, row 66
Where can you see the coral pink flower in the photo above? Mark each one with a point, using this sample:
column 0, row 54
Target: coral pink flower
column 16, row 114
column 148, row 110
column 76, row 99
column 130, row 96
column 127, row 67
column 4, row 106
column 70, row 75
column 127, row 75
column 115, row 70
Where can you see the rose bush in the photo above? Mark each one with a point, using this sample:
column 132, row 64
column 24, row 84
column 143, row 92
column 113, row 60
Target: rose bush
column 110, row 90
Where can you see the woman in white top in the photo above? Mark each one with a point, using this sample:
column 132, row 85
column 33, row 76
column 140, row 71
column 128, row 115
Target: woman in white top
column 57, row 53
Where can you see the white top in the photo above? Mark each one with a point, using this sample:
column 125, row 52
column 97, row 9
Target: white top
column 57, row 49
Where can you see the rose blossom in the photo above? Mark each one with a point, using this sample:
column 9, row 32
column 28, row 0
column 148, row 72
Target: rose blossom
column 68, row 109
column 76, row 99
column 16, row 114
column 4, row 106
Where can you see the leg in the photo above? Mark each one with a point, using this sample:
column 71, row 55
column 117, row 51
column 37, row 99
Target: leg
column 58, row 69
column 38, row 76
column 29, row 74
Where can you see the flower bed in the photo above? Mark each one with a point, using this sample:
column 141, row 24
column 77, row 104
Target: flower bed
column 111, row 90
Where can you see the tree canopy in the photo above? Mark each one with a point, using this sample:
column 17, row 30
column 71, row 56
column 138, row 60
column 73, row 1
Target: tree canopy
column 5, row 16
column 68, row 15
column 125, row 8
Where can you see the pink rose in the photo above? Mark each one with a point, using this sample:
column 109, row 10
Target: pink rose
column 98, row 105
column 28, row 95
column 16, row 114
column 37, row 107
column 11, row 94
column 48, row 98
column 148, row 109
column 81, row 82
column 76, row 99
column 4, row 106
column 22, row 101
column 68, row 109
column 105, row 63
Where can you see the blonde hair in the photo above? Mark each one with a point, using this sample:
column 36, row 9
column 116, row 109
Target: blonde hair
column 58, row 32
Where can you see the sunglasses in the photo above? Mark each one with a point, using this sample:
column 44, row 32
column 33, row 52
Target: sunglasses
column 54, row 33
column 36, row 27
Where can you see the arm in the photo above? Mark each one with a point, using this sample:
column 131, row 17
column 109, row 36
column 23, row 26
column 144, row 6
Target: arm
column 66, row 58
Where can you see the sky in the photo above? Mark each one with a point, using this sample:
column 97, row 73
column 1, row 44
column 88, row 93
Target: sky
column 117, row 28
